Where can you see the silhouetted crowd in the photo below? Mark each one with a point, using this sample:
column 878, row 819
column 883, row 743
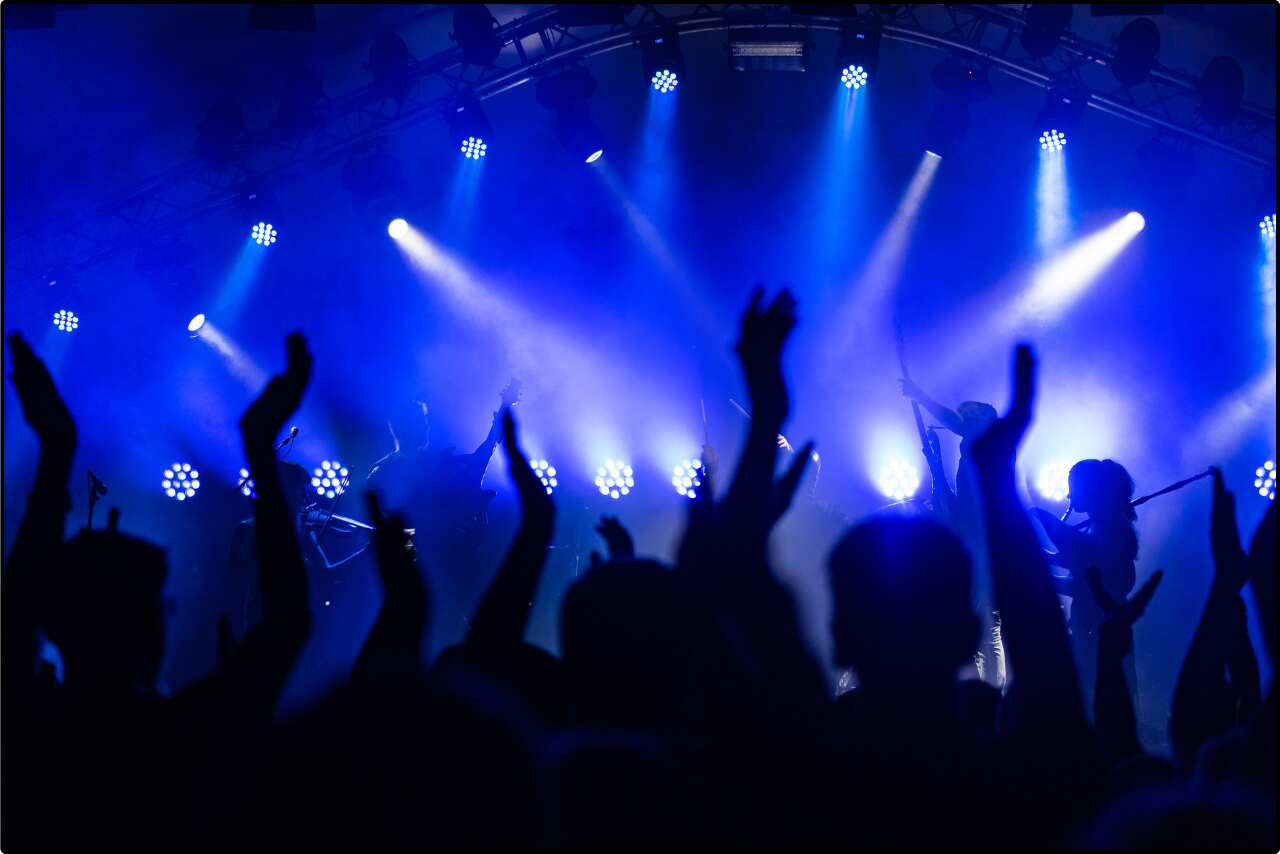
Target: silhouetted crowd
column 685, row 707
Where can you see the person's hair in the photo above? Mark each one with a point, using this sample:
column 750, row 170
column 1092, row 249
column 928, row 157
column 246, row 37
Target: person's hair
column 1106, row 485
column 901, row 592
column 976, row 417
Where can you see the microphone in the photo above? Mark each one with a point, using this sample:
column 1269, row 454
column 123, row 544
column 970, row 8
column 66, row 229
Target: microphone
column 293, row 434
column 96, row 486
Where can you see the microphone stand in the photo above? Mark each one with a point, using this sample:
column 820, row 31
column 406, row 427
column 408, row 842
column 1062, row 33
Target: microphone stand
column 97, row 489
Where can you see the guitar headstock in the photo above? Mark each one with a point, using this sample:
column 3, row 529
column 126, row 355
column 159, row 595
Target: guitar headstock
column 511, row 393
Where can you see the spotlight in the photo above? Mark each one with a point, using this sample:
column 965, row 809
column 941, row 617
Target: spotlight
column 1052, row 140
column 566, row 95
column 180, row 481
column 473, row 31
column 470, row 127
column 330, row 479
column 1136, row 221
column 264, row 234
column 66, row 320
column 764, row 53
column 1043, row 27
column 389, row 62
column 546, row 473
column 687, row 478
column 858, row 54
column 196, row 324
column 247, row 488
column 614, row 479
column 473, row 148
column 1221, row 89
column 1058, row 118
column 1268, row 226
column 899, row 479
column 662, row 61
column 397, row 228
column 1136, row 48
column 594, row 156
column 1265, row 480
column 1053, row 481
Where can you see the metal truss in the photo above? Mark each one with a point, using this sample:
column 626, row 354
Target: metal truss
column 537, row 45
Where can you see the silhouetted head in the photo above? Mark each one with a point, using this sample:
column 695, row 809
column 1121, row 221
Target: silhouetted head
column 975, row 417
column 1101, row 488
column 901, row 601
column 1222, row 817
column 409, row 425
column 296, row 483
column 103, row 605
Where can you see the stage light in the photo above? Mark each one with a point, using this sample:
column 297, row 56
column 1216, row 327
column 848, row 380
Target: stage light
column 397, row 228
column 765, row 53
column 1053, row 481
column 546, row 473
column 330, row 479
column 687, row 478
column 566, row 95
column 1265, row 480
column 1136, row 48
column 1043, row 27
column 1060, row 115
column 66, row 320
column 595, row 155
column 661, row 60
column 664, row 80
column 857, row 55
column 264, row 234
column 474, row 148
column 470, row 126
column 1052, row 140
column 1136, row 221
column 196, row 324
column 245, row 482
column 1268, row 226
column 180, row 481
column 899, row 479
column 614, row 479
column 473, row 30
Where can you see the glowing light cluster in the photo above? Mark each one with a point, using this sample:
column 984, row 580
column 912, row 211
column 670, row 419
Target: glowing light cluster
column 264, row 234
column 546, row 473
column 664, row 80
column 180, row 481
column 1053, row 481
column 247, row 489
column 1265, row 480
column 397, row 228
column 853, row 76
column 1268, row 225
column 473, row 148
column 330, row 479
column 899, row 479
column 614, row 479
column 1052, row 140
column 66, row 320
column 687, row 478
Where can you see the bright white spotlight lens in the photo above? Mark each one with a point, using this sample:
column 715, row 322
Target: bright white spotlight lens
column 1265, row 480
column 264, row 234
column 1268, row 225
column 66, row 320
column 899, row 479
column 1052, row 140
column 330, row 479
column 247, row 488
column 687, row 478
column 1052, row 482
column 196, row 323
column 1138, row 220
column 180, row 481
column 473, row 148
column 853, row 76
column 398, row 228
column 595, row 155
column 614, row 479
column 664, row 80
column 546, row 473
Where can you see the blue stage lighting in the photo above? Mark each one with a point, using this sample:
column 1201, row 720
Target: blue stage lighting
column 330, row 479
column 899, row 479
column 66, row 320
column 853, row 76
column 1052, row 140
column 264, row 234
column 180, row 481
column 473, row 148
column 397, row 228
column 1053, row 481
column 196, row 323
column 664, row 80
column 1265, row 480
column 546, row 473
column 1136, row 221
column 1268, row 226
column 614, row 479
column 247, row 488
column 595, row 155
column 687, row 478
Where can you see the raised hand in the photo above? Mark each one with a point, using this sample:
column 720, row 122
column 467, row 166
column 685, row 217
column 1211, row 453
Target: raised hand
column 266, row 416
column 394, row 644
column 784, row 488
column 759, row 349
column 617, row 538
column 535, row 503
column 1000, row 442
column 1231, row 565
column 1116, row 634
column 911, row 390
column 42, row 406
column 397, row 559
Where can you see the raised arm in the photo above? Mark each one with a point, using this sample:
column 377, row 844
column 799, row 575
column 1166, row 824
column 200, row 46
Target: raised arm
column 1114, row 720
column 1045, row 694
column 503, row 614
column 946, row 416
column 394, row 645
